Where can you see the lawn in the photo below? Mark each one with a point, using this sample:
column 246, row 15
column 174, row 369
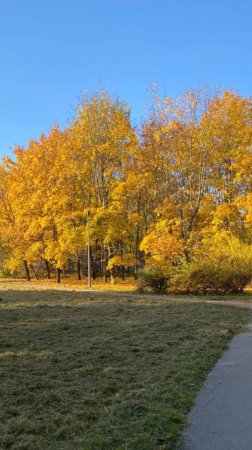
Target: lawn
column 70, row 282
column 86, row 372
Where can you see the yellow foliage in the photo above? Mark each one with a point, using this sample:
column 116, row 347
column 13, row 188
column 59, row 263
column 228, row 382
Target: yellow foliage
column 157, row 195
column 163, row 244
column 127, row 260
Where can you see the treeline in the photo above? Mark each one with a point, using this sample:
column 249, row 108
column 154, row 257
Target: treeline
column 173, row 195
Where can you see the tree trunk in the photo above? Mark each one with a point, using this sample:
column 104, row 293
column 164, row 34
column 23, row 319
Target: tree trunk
column 187, row 254
column 47, row 269
column 79, row 268
column 104, row 265
column 58, row 272
column 27, row 272
column 92, row 264
column 113, row 274
column 34, row 271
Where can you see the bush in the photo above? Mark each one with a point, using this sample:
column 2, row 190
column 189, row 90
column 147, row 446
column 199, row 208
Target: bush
column 222, row 266
column 153, row 279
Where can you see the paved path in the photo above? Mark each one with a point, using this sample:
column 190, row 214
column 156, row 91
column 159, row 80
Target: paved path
column 222, row 416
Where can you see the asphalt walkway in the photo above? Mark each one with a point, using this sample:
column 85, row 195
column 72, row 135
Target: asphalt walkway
column 222, row 416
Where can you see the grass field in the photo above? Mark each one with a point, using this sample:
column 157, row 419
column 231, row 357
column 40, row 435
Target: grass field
column 119, row 285
column 80, row 372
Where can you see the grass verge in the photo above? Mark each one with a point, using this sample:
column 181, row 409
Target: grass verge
column 84, row 373
column 127, row 285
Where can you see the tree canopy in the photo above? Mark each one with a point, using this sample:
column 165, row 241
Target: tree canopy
column 157, row 195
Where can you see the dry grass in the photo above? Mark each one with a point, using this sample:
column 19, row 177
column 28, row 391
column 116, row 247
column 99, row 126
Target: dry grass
column 129, row 285
column 80, row 372
column 119, row 285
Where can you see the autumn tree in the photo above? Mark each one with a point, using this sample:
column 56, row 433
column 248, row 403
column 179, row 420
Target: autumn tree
column 155, row 196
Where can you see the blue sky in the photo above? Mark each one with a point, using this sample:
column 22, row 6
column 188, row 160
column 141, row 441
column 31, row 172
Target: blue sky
column 53, row 50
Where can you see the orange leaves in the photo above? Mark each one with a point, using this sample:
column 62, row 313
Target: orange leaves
column 184, row 179
column 245, row 203
column 127, row 260
column 163, row 244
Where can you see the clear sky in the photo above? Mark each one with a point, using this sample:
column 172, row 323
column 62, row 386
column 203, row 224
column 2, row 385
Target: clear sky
column 52, row 50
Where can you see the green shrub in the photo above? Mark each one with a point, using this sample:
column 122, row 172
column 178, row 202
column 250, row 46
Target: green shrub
column 152, row 279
